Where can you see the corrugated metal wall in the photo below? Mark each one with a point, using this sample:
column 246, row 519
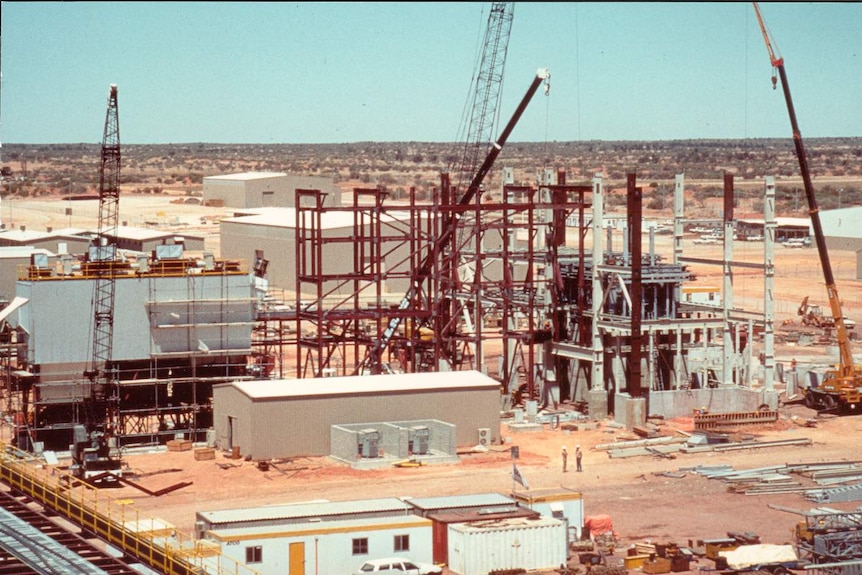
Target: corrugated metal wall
column 139, row 329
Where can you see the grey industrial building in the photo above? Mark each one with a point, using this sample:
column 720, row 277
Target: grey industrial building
column 265, row 189
column 147, row 240
column 180, row 325
column 273, row 232
column 15, row 258
column 77, row 241
column 841, row 228
column 63, row 241
column 288, row 418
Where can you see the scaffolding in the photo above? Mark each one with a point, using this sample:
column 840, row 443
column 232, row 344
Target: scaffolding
column 197, row 317
column 345, row 258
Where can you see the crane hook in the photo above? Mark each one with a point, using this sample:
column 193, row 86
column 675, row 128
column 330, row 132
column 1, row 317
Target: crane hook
column 547, row 84
column 774, row 80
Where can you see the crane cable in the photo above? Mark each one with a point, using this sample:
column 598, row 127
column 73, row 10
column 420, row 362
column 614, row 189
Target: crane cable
column 547, row 90
column 771, row 46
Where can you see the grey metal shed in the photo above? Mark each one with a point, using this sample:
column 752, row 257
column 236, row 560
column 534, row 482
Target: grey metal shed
column 269, row 419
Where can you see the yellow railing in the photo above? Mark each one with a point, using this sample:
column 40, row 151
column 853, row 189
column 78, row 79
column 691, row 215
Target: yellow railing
column 55, row 271
column 151, row 541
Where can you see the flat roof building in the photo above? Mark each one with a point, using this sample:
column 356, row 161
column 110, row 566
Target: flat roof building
column 265, row 189
column 274, row 231
column 286, row 418
column 317, row 537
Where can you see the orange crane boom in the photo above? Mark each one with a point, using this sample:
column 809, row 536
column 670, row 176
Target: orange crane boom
column 841, row 388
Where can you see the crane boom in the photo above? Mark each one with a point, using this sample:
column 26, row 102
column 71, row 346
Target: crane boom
column 103, row 253
column 846, row 370
column 91, row 449
column 486, row 90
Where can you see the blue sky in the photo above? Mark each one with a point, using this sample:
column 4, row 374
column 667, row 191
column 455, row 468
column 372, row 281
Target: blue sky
column 346, row 72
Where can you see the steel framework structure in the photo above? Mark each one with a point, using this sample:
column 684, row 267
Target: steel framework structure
column 340, row 312
column 342, row 308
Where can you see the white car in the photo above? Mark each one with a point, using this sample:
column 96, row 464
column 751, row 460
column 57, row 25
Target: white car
column 398, row 565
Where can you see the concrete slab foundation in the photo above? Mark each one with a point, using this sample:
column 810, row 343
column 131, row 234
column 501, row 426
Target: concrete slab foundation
column 683, row 403
column 525, row 427
column 388, row 461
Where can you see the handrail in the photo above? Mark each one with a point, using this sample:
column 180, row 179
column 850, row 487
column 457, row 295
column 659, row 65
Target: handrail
column 152, row 541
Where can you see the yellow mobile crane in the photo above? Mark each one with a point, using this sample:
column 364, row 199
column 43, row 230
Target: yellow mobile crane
column 840, row 388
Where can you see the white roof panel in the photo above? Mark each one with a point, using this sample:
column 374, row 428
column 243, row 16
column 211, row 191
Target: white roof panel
column 286, row 218
column 461, row 501
column 245, row 176
column 23, row 235
column 21, row 251
column 294, row 511
column 361, row 384
column 297, row 530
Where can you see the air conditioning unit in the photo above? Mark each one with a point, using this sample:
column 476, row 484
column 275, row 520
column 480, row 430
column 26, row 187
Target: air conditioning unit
column 368, row 440
column 419, row 436
column 484, row 436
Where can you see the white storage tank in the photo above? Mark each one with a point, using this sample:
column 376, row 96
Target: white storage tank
column 481, row 547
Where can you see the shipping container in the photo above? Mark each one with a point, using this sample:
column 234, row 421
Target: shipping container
column 530, row 544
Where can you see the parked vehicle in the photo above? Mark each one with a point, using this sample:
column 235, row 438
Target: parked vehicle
column 812, row 315
column 795, row 243
column 711, row 239
column 398, row 565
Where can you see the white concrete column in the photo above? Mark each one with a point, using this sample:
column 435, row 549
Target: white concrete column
column 728, row 356
column 769, row 226
column 598, row 370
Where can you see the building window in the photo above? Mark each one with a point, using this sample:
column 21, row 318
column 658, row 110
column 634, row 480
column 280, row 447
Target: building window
column 402, row 543
column 360, row 546
column 254, row 554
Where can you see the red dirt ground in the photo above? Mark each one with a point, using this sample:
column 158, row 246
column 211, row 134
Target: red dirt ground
column 644, row 505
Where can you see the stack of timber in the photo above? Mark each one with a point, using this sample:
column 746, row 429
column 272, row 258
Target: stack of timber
column 656, row 558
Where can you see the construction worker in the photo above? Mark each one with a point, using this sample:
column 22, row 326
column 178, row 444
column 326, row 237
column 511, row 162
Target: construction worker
column 565, row 458
column 578, row 456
